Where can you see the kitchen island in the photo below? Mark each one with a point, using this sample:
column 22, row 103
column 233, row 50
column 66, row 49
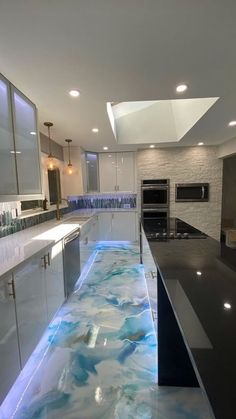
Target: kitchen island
column 197, row 276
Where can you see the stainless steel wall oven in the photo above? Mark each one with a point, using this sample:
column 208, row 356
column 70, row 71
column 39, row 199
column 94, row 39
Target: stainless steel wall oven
column 154, row 193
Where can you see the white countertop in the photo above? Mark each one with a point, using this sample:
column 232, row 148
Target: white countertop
column 16, row 248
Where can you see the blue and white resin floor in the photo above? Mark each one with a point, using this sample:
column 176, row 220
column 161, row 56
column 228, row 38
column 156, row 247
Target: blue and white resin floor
column 98, row 358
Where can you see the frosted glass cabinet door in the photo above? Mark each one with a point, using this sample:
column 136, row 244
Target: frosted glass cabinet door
column 8, row 185
column 9, row 351
column 107, row 172
column 31, row 305
column 26, row 141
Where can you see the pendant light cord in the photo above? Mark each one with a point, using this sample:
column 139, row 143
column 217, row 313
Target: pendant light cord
column 49, row 143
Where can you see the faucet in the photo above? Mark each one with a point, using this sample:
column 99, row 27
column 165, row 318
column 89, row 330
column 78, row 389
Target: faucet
column 58, row 213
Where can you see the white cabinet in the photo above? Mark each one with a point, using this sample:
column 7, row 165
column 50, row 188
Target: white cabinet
column 117, row 172
column 8, row 184
column 9, row 351
column 125, row 172
column 123, row 226
column 20, row 171
column 88, row 238
column 54, row 279
column 107, row 172
column 26, row 142
column 104, row 226
column 31, row 307
column 117, row 226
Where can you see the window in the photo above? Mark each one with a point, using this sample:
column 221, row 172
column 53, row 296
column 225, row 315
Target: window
column 92, row 171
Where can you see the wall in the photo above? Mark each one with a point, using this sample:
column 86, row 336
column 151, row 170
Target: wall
column 44, row 175
column 182, row 165
column 228, row 148
column 229, row 192
column 56, row 149
column 73, row 184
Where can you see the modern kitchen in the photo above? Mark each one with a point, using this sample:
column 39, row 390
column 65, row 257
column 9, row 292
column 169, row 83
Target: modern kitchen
column 117, row 210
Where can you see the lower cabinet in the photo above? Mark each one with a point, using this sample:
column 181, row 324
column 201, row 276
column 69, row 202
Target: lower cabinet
column 117, row 226
column 54, row 279
column 88, row 238
column 29, row 298
column 9, row 351
column 31, row 305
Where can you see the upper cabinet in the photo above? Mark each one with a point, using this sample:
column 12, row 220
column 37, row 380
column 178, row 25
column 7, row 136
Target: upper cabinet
column 19, row 145
column 26, row 143
column 8, row 184
column 117, row 172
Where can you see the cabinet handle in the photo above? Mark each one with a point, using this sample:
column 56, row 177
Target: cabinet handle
column 118, row 188
column 44, row 262
column 48, row 259
column 115, row 187
column 13, row 292
column 86, row 240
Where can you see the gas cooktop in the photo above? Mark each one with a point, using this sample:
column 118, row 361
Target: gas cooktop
column 162, row 229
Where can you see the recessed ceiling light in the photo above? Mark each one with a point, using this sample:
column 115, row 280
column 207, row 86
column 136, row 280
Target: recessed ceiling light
column 15, row 152
column 201, row 143
column 232, row 123
column 32, row 133
column 109, row 155
column 181, row 88
column 95, row 130
column 227, row 306
column 198, row 273
column 152, row 146
column 105, row 148
column 74, row 93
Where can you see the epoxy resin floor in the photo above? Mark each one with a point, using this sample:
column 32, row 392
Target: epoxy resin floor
column 98, row 358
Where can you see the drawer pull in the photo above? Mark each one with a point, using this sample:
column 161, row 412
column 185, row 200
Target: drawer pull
column 12, row 292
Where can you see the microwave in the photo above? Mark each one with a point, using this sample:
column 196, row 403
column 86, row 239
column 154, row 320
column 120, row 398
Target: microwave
column 192, row 192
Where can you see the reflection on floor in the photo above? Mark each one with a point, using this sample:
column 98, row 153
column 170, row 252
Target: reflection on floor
column 97, row 358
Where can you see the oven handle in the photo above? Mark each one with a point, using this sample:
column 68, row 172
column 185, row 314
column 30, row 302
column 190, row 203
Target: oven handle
column 203, row 192
column 154, row 187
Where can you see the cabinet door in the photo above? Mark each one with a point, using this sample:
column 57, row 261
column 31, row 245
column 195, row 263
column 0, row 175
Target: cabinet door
column 107, row 172
column 104, row 226
column 54, row 280
column 85, row 243
column 31, row 305
column 26, row 141
column 8, row 184
column 123, row 226
column 9, row 350
column 125, row 172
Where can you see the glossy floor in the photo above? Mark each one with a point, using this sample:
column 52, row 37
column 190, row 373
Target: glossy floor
column 97, row 358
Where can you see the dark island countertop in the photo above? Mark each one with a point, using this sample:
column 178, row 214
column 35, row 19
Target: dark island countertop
column 199, row 276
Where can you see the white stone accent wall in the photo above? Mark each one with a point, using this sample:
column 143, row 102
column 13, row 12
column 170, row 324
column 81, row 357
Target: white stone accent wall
column 183, row 165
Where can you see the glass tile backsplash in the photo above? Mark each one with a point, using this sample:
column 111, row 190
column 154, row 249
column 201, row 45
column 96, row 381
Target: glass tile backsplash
column 9, row 212
column 105, row 201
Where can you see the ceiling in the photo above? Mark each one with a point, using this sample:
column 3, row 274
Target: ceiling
column 118, row 51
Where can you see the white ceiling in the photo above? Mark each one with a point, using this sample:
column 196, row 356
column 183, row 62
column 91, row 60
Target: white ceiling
column 116, row 51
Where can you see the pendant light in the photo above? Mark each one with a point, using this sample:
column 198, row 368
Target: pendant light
column 51, row 161
column 70, row 168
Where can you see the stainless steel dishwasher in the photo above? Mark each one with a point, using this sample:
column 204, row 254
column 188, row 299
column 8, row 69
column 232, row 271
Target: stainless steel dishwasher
column 71, row 261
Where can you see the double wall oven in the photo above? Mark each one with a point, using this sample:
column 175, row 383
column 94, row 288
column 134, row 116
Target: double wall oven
column 155, row 204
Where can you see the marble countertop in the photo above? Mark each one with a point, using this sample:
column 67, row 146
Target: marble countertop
column 15, row 249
